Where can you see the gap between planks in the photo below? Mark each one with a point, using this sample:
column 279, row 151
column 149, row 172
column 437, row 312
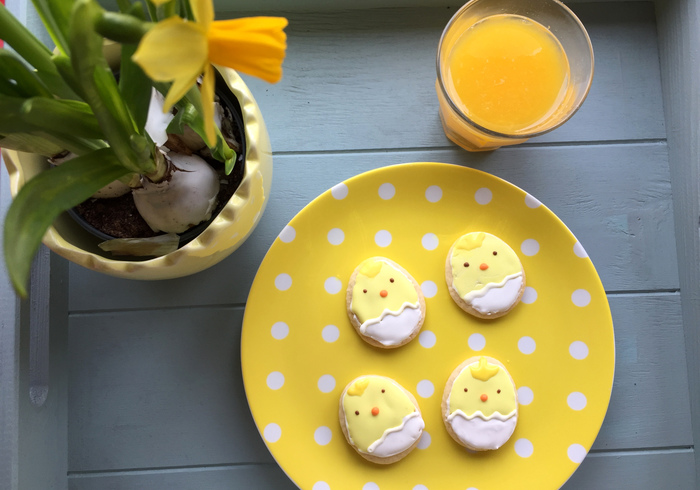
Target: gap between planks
column 193, row 468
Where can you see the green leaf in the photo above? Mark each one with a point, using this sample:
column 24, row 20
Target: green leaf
column 134, row 85
column 55, row 14
column 64, row 67
column 100, row 88
column 62, row 116
column 41, row 200
column 26, row 83
column 30, row 143
column 33, row 52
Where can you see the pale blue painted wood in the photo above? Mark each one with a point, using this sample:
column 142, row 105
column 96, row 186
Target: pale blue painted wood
column 155, row 392
column 668, row 471
column 358, row 81
column 680, row 52
column 615, row 198
column 163, row 388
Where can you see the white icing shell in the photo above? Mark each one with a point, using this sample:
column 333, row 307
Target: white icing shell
column 481, row 432
column 394, row 327
column 398, row 439
column 496, row 297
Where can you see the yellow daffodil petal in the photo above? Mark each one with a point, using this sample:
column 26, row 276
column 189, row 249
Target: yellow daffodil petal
column 178, row 90
column 207, row 94
column 172, row 49
column 252, row 45
column 203, row 11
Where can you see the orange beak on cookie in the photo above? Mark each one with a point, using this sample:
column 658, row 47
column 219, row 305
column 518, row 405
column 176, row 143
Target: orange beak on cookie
column 484, row 266
column 484, row 397
column 375, row 411
column 383, row 293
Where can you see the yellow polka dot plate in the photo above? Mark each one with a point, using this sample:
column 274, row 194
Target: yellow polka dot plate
column 299, row 349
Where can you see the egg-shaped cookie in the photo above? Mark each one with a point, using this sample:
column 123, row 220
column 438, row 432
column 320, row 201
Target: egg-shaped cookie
column 384, row 302
column 484, row 275
column 381, row 420
column 480, row 404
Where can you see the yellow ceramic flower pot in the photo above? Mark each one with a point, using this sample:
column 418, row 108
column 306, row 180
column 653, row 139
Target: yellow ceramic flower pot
column 224, row 234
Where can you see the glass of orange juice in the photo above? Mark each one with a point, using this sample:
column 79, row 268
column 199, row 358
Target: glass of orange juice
column 509, row 70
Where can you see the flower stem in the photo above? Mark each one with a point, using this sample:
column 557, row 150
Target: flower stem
column 122, row 28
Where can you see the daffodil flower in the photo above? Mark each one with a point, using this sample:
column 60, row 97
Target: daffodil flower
column 179, row 51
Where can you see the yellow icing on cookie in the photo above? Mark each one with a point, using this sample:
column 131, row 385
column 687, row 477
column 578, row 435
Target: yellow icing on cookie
column 386, row 289
column 482, row 396
column 483, row 371
column 358, row 387
column 470, row 241
column 374, row 412
column 475, row 265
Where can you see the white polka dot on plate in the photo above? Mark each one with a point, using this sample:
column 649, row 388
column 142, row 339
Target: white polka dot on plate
column 387, row 191
column 472, row 488
column 332, row 285
column 339, row 191
column 580, row 251
column 430, row 241
column 476, row 341
column 326, row 383
column 429, row 289
column 272, row 432
column 427, row 339
column 529, row 295
column 283, row 282
column 532, row 202
column 370, row 485
column 483, row 195
column 420, row 487
column 578, row 350
column 525, row 395
column 382, row 238
column 336, row 236
column 424, row 441
column 576, row 401
column 279, row 330
column 581, row 297
column 330, row 333
column 288, row 234
column 433, row 193
column 576, row 453
column 321, row 485
column 323, row 435
column 425, row 388
column 530, row 247
column 526, row 345
column 524, row 448
column 275, row 380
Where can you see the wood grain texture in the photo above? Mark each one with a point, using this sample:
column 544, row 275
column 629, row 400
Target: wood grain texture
column 359, row 81
column 679, row 53
column 670, row 470
column 615, row 198
column 156, row 389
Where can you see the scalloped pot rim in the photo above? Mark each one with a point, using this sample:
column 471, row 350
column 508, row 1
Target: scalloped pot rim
column 224, row 234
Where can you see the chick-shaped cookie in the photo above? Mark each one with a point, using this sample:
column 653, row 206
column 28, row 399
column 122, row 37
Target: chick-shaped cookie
column 484, row 275
column 384, row 302
column 480, row 404
column 380, row 419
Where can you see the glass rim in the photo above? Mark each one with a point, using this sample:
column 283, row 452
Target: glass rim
column 491, row 132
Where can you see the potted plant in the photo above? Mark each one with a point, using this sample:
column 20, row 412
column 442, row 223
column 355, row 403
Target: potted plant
column 158, row 125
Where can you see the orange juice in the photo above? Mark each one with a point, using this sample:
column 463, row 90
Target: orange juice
column 507, row 73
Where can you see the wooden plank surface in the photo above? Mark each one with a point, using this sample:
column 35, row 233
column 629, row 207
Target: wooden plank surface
column 156, row 397
column 358, row 81
column 615, row 198
column 164, row 387
column 672, row 470
column 678, row 28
